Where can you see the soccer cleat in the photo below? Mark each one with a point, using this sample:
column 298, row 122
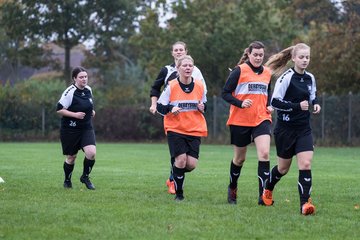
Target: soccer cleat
column 260, row 201
column 86, row 181
column 232, row 195
column 67, row 184
column 171, row 186
column 308, row 208
column 179, row 197
column 267, row 198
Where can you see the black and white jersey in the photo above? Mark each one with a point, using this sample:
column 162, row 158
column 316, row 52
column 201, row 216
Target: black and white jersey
column 77, row 100
column 168, row 73
column 291, row 88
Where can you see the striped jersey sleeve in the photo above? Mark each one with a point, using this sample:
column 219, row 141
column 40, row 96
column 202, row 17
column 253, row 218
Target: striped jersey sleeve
column 281, row 86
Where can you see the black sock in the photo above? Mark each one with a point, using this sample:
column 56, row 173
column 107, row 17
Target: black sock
column 263, row 175
column 172, row 161
column 304, row 185
column 68, row 169
column 88, row 165
column 179, row 177
column 234, row 175
column 275, row 176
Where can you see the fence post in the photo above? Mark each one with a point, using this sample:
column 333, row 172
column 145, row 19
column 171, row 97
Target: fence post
column 349, row 118
column 323, row 117
column 215, row 116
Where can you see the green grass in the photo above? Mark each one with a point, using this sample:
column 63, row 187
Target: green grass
column 131, row 202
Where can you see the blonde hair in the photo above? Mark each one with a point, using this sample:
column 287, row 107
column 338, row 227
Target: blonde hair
column 278, row 62
column 182, row 58
column 248, row 50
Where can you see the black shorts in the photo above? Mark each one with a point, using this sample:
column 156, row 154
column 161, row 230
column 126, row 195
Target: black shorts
column 73, row 140
column 180, row 144
column 242, row 136
column 290, row 142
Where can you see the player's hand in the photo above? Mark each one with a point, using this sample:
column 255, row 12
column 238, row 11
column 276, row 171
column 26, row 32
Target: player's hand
column 93, row 113
column 304, row 105
column 247, row 103
column 269, row 109
column 201, row 107
column 175, row 110
column 317, row 109
column 152, row 109
column 79, row 115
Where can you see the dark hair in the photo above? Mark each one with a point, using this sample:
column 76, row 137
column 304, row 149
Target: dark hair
column 76, row 71
column 248, row 50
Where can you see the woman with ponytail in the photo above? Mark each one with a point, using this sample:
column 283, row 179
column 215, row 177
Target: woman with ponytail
column 247, row 89
column 295, row 91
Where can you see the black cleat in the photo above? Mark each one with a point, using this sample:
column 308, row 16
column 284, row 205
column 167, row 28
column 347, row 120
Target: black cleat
column 67, row 184
column 179, row 197
column 232, row 195
column 86, row 181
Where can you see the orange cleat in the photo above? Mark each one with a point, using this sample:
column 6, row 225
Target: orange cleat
column 232, row 195
column 267, row 198
column 308, row 208
column 171, row 186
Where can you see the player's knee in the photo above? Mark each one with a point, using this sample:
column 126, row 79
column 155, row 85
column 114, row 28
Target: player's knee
column 239, row 161
column 305, row 165
column 90, row 154
column 70, row 159
column 283, row 170
column 264, row 155
column 191, row 166
column 180, row 161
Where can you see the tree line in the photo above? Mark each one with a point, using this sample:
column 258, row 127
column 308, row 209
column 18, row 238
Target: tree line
column 127, row 37
column 129, row 45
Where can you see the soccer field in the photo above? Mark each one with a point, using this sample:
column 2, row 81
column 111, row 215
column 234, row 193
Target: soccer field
column 131, row 202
